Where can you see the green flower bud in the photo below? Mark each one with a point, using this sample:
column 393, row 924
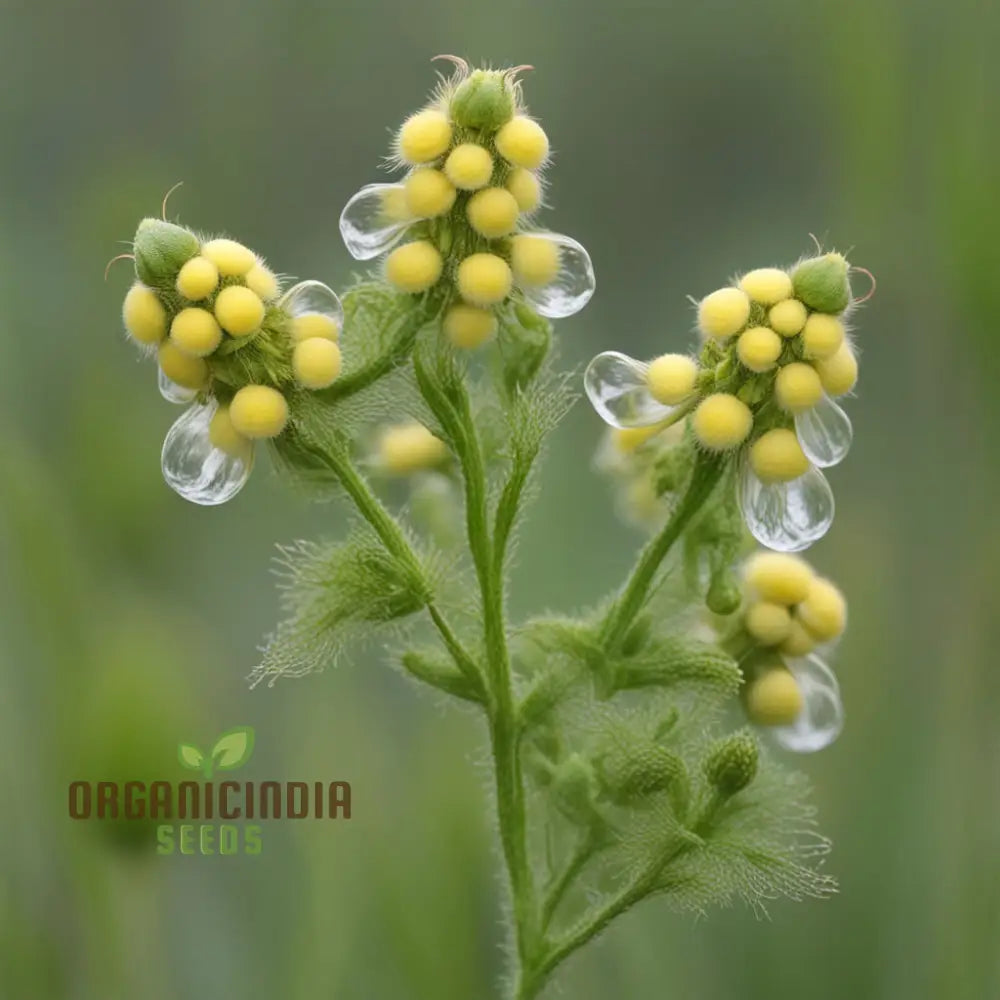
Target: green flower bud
column 732, row 763
column 724, row 594
column 821, row 283
column 575, row 788
column 161, row 248
column 633, row 775
column 484, row 100
column 524, row 346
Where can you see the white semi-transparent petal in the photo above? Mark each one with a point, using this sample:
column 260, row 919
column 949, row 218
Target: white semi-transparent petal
column 572, row 287
column 312, row 297
column 789, row 516
column 822, row 716
column 372, row 221
column 616, row 387
column 825, row 433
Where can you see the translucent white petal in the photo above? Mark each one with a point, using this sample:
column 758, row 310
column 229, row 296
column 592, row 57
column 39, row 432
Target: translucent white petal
column 788, row 516
column 171, row 391
column 371, row 221
column 822, row 715
column 571, row 288
column 194, row 468
column 616, row 387
column 313, row 297
column 825, row 433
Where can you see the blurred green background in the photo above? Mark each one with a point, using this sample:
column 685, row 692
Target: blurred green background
column 692, row 141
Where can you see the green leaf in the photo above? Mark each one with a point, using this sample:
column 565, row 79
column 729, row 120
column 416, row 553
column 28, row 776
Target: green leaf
column 233, row 748
column 190, row 756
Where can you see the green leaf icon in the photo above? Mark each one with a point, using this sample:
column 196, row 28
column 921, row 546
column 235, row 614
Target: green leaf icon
column 190, row 756
column 233, row 748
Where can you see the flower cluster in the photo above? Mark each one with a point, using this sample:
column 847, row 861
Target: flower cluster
column 775, row 353
column 474, row 160
column 228, row 342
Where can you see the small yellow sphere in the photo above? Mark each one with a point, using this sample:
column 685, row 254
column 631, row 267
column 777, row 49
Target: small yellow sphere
column 525, row 187
column 316, row 362
column 258, row 411
column 424, row 136
column 523, row 142
column 722, row 421
column 144, row 316
column 231, row 258
column 239, row 310
column 824, row 610
column 778, row 577
column 468, row 326
column 822, row 336
column 195, row 331
column 310, row 325
column 787, row 317
column 768, row 623
column 185, row 370
column 262, row 280
column 484, row 279
column 408, row 448
column 723, row 313
column 797, row 387
column 393, row 205
column 767, row 285
column 428, row 193
column 225, row 437
column 414, row 267
column 799, row 640
column 774, row 699
column 629, row 439
column 492, row 212
column 839, row 374
column 469, row 166
column 777, row 456
column 534, row 260
column 671, row 377
column 759, row 348
column 197, row 279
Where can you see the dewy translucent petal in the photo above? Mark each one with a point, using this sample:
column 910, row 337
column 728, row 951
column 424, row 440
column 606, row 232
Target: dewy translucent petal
column 311, row 297
column 194, row 468
column 822, row 715
column 171, row 391
column 616, row 387
column 825, row 433
column 787, row 517
column 370, row 222
column 572, row 287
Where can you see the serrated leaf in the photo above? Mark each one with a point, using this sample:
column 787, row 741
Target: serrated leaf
column 233, row 748
column 190, row 756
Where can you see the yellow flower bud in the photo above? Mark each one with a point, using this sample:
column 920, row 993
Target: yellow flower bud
column 839, row 373
column 822, row 336
column 525, row 187
column 144, row 316
column 778, row 577
column 722, row 421
column 469, row 166
column 261, row 280
column 225, row 437
column 759, row 348
column 409, row 448
column 523, row 142
column 468, row 326
column 629, row 439
column 723, row 313
column 258, row 411
column 534, row 260
column 197, row 279
column 768, row 623
column 799, row 640
column 414, row 267
column 231, row 258
column 308, row 326
column 767, row 285
column 424, row 136
column 492, row 212
column 787, row 317
column 484, row 279
column 671, row 378
column 185, row 370
column 393, row 207
column 239, row 310
column 777, row 456
column 824, row 610
column 797, row 387
column 428, row 193
column 195, row 332
column 316, row 362
column 774, row 699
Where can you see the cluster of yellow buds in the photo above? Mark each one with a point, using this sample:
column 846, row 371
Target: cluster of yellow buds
column 474, row 160
column 231, row 344
column 775, row 351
